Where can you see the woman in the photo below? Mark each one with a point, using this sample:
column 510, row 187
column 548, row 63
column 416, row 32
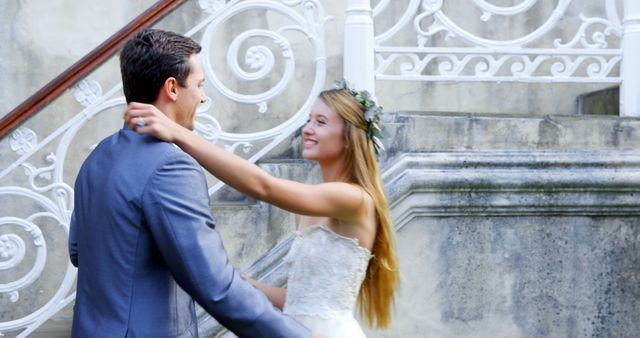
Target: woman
column 343, row 252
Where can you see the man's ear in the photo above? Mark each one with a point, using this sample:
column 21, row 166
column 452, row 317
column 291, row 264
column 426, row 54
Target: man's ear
column 170, row 88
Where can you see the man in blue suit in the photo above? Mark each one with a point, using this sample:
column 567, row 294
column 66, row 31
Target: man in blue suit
column 142, row 234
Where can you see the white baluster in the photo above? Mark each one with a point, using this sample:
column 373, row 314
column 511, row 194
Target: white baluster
column 630, row 88
column 358, row 45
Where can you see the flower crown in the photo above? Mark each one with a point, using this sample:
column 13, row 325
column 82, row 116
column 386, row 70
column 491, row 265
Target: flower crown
column 371, row 115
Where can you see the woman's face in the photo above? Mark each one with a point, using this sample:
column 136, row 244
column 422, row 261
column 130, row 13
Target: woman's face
column 323, row 138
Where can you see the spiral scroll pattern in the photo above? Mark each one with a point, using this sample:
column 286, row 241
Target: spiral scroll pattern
column 590, row 55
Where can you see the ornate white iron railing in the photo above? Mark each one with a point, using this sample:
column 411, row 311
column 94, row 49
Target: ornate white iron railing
column 446, row 51
column 46, row 193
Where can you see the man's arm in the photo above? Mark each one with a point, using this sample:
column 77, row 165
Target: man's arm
column 176, row 208
column 73, row 242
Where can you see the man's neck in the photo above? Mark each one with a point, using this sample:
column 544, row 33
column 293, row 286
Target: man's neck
column 166, row 109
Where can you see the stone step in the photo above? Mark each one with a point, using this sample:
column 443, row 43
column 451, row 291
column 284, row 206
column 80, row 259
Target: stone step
column 600, row 102
column 250, row 228
column 411, row 131
column 452, row 132
column 57, row 327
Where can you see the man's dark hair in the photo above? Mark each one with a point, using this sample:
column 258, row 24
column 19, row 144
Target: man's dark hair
column 149, row 58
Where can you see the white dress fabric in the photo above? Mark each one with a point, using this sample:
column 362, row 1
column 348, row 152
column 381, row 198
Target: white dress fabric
column 325, row 274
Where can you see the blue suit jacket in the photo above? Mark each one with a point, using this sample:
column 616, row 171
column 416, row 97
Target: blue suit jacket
column 143, row 239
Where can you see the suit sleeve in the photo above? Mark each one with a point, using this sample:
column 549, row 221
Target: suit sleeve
column 176, row 207
column 73, row 242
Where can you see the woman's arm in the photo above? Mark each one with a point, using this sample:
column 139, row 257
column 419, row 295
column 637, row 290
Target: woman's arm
column 275, row 295
column 334, row 199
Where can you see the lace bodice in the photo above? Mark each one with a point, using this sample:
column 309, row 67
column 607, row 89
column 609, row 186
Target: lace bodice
column 325, row 273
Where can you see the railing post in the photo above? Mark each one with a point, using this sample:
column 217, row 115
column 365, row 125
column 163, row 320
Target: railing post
column 630, row 69
column 358, row 54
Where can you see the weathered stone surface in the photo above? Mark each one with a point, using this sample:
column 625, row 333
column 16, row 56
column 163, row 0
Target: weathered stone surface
column 511, row 240
column 600, row 102
column 42, row 39
column 523, row 276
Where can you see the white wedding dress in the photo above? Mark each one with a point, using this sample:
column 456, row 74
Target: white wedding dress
column 325, row 274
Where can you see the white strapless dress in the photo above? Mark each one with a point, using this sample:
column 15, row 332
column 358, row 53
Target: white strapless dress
column 325, row 274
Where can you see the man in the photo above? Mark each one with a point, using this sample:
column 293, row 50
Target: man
column 142, row 233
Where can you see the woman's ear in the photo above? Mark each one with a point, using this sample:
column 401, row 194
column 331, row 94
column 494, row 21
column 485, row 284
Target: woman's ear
column 170, row 88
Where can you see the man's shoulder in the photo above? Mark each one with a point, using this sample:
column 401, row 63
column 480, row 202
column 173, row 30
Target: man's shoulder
column 165, row 156
column 127, row 150
column 147, row 147
column 171, row 169
column 170, row 153
column 160, row 158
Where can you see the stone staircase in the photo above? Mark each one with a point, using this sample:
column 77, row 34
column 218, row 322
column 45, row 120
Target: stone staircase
column 452, row 180
column 499, row 217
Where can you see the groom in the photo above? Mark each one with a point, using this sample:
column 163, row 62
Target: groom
column 142, row 234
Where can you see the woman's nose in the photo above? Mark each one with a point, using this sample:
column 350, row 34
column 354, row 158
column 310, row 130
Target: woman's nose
column 306, row 129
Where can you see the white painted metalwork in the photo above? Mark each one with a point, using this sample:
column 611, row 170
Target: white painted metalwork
column 630, row 88
column 23, row 140
column 359, row 45
column 445, row 51
column 87, row 92
column 261, row 60
column 500, row 60
column 46, row 188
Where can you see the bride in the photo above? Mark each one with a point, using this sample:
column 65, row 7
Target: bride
column 343, row 253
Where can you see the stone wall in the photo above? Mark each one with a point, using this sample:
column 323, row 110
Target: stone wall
column 525, row 239
column 40, row 39
column 507, row 226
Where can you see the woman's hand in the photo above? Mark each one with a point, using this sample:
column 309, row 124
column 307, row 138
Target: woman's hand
column 147, row 119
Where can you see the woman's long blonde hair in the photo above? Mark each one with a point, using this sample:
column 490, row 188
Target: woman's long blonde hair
column 376, row 297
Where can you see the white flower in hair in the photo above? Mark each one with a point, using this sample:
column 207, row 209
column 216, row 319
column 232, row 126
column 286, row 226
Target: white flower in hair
column 372, row 113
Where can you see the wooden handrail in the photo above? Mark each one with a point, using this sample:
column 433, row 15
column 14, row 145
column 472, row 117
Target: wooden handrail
column 87, row 64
